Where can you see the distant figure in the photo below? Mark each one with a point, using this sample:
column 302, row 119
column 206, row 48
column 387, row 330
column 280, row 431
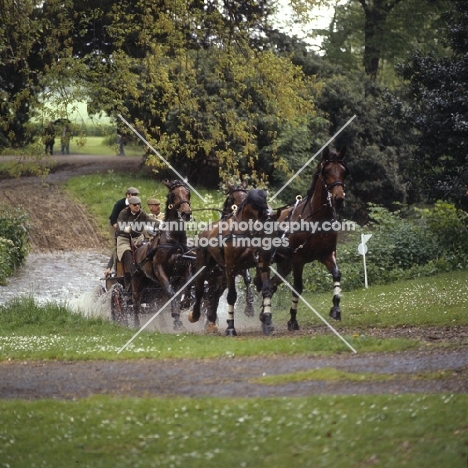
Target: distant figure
column 49, row 138
column 121, row 143
column 65, row 139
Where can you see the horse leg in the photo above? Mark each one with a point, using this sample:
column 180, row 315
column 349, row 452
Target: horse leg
column 137, row 290
column 195, row 313
column 330, row 263
column 298, row 269
column 265, row 315
column 127, row 263
column 231, row 300
column 249, row 308
column 167, row 286
column 216, row 287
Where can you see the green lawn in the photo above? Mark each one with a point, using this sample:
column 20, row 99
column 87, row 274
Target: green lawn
column 411, row 431
column 98, row 146
column 30, row 331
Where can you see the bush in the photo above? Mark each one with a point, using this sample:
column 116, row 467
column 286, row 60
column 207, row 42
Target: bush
column 426, row 242
column 14, row 240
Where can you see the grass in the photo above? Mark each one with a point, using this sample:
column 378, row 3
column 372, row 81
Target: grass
column 331, row 374
column 30, row 331
column 438, row 300
column 341, row 431
column 97, row 146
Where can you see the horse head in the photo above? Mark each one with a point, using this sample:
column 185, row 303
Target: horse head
column 255, row 206
column 178, row 201
column 236, row 194
column 332, row 172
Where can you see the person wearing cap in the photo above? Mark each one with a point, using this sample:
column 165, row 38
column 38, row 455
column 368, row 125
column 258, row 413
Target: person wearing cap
column 130, row 226
column 154, row 206
column 155, row 216
column 118, row 207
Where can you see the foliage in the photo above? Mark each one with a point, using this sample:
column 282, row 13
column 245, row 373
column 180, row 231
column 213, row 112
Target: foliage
column 438, row 111
column 373, row 36
column 404, row 245
column 14, row 245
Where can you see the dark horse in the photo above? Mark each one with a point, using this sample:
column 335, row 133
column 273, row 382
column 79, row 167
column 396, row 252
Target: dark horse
column 161, row 259
column 224, row 253
column 235, row 196
column 318, row 209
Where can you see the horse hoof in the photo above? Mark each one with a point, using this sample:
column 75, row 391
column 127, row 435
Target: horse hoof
column 335, row 313
column 211, row 328
column 178, row 325
column 191, row 317
column 231, row 332
column 249, row 310
column 293, row 325
column 267, row 325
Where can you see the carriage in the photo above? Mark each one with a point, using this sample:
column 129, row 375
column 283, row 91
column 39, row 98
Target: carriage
column 121, row 301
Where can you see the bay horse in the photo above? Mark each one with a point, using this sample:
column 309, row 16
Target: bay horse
column 319, row 209
column 223, row 258
column 235, row 196
column 160, row 259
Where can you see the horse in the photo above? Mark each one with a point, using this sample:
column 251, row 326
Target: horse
column 235, row 196
column 223, row 259
column 319, row 208
column 160, row 260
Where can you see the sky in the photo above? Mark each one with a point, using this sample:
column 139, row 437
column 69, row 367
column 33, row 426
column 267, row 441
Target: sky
column 286, row 23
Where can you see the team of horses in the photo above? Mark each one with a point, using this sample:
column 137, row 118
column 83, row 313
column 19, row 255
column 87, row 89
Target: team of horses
column 239, row 242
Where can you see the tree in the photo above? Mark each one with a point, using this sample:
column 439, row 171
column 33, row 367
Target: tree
column 190, row 77
column 438, row 111
column 372, row 33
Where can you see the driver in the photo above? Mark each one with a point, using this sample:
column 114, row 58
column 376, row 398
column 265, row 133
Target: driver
column 130, row 226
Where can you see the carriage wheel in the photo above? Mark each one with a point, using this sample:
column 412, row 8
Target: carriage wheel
column 119, row 306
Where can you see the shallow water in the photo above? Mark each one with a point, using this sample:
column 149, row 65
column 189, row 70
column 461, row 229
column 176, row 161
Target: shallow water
column 75, row 280
column 56, row 277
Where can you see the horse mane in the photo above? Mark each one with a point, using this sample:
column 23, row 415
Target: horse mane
column 258, row 199
column 315, row 177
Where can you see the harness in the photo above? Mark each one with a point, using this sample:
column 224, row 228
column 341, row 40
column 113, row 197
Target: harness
column 328, row 188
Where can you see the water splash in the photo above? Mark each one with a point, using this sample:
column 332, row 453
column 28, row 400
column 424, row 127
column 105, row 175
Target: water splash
column 74, row 279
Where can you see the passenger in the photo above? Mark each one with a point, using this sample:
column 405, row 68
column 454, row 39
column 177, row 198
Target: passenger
column 155, row 216
column 130, row 226
column 118, row 207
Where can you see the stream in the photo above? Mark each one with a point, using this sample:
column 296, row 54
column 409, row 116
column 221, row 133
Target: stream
column 74, row 279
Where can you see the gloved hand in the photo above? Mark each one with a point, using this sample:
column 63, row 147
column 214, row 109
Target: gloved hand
column 127, row 229
column 150, row 230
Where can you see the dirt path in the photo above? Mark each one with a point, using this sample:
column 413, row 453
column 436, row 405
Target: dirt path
column 59, row 223
column 414, row 372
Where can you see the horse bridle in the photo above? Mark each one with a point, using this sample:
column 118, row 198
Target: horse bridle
column 329, row 187
column 178, row 205
column 231, row 196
